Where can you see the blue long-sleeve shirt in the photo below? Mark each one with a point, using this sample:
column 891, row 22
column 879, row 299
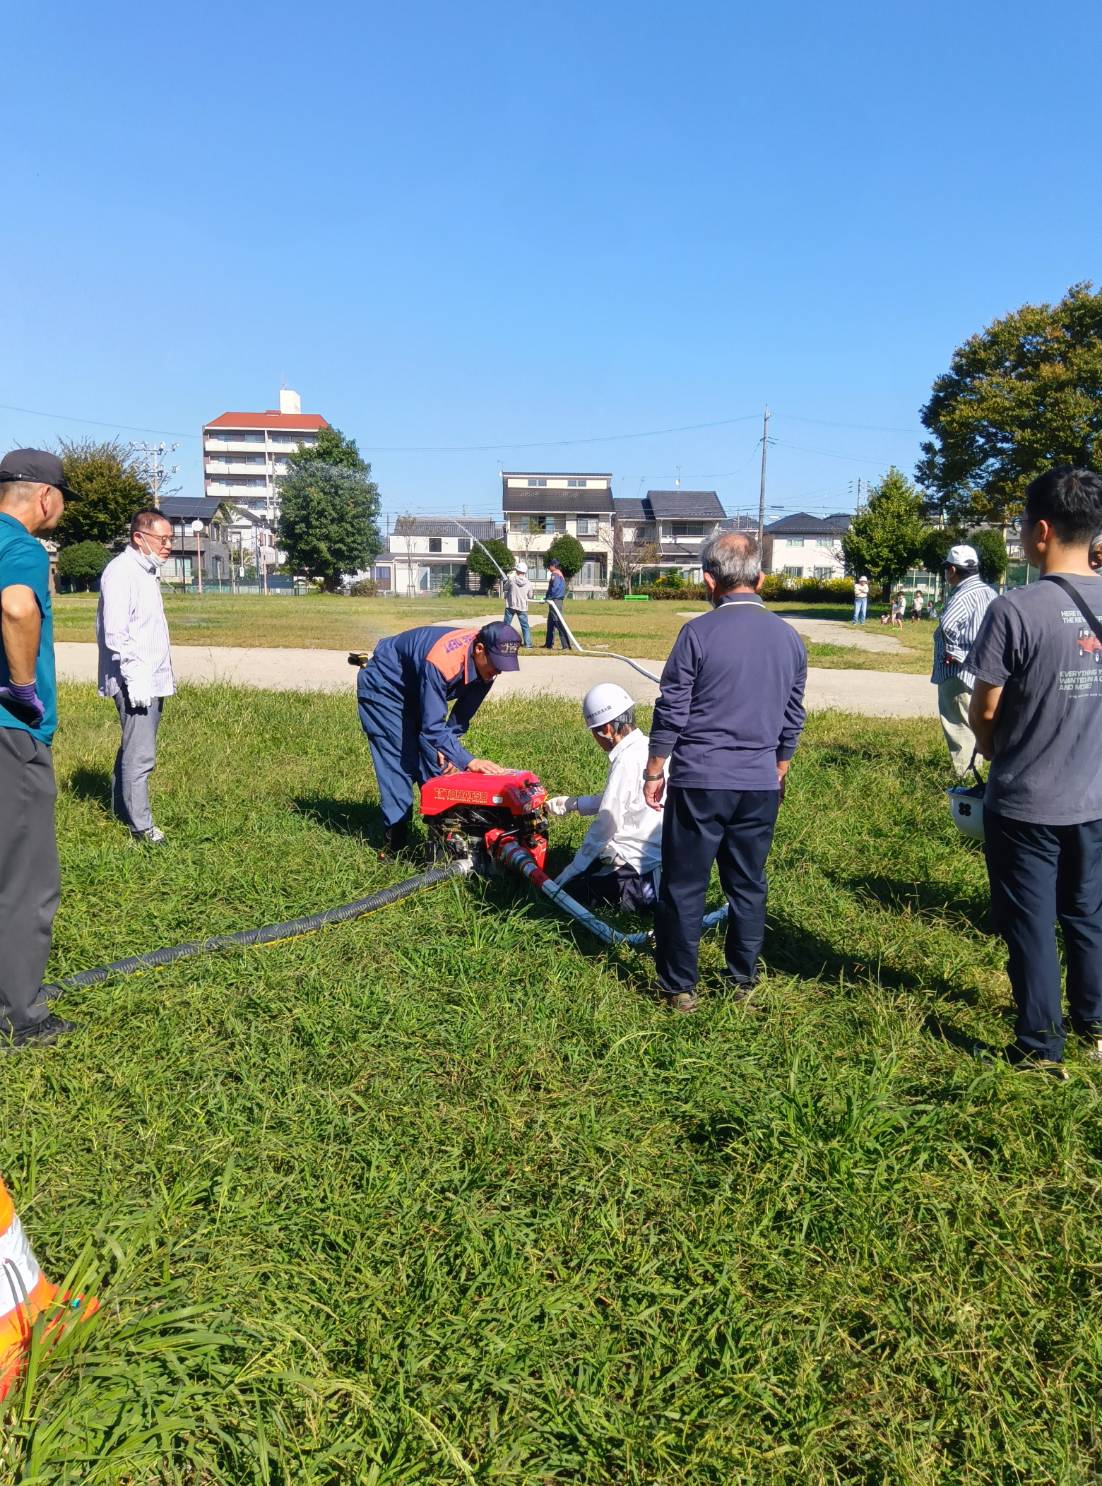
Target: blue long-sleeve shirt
column 731, row 705
column 415, row 675
column 556, row 587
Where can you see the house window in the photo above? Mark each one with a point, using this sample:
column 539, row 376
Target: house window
column 794, row 541
column 464, row 545
column 793, row 572
column 592, row 574
column 540, row 483
column 587, row 525
column 824, row 572
column 436, row 544
column 686, row 529
column 576, row 484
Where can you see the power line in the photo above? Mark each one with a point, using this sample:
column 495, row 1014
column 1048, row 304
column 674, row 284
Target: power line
column 604, row 438
column 95, row 422
column 830, row 423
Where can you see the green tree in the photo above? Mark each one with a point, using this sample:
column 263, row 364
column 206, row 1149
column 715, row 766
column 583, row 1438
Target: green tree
column 569, row 553
column 81, row 564
column 111, row 489
column 479, row 563
column 1023, row 395
column 886, row 538
column 935, row 546
column 992, row 553
column 329, row 507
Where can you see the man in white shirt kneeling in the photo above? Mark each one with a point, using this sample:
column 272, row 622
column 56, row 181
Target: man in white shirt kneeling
column 619, row 861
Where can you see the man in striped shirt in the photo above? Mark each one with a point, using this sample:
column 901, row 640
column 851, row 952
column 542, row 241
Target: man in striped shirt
column 969, row 597
column 135, row 664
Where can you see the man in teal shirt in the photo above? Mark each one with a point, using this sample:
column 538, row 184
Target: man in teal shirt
column 32, row 500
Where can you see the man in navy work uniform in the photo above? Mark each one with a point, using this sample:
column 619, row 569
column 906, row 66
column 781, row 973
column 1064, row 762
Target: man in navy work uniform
column 404, row 692
column 32, row 500
column 1037, row 715
column 728, row 720
column 556, row 591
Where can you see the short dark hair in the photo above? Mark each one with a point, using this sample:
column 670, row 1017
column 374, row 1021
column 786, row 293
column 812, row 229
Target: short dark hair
column 1070, row 500
column 146, row 519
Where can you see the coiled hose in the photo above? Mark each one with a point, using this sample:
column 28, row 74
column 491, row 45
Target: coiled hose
column 269, row 934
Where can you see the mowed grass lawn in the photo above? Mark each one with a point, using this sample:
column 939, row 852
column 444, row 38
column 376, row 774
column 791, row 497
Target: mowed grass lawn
column 333, row 622
column 443, row 1196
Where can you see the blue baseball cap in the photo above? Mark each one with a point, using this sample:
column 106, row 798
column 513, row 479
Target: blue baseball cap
column 502, row 645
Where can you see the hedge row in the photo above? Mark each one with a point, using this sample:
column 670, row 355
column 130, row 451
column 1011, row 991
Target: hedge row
column 776, row 586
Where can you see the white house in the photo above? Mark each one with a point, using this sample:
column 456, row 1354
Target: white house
column 541, row 506
column 674, row 524
column 803, row 546
column 423, row 553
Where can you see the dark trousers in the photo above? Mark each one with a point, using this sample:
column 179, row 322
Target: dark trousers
column 395, row 741
column 618, row 887
column 1041, row 876
column 734, row 829
column 30, row 877
column 554, row 627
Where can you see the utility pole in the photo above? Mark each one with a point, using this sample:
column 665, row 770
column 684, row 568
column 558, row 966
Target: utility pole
column 761, row 495
column 155, row 472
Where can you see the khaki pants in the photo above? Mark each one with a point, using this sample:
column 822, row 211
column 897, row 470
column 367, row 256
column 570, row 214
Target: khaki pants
column 953, row 698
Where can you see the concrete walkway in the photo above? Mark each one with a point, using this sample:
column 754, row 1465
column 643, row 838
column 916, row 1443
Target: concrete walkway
column 868, row 693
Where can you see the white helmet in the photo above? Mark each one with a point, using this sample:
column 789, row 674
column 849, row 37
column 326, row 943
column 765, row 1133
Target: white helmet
column 966, row 804
column 520, row 567
column 604, row 703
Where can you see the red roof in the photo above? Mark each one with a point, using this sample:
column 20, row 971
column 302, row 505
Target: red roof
column 268, row 420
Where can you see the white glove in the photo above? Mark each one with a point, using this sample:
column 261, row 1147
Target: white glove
column 139, row 687
column 562, row 804
column 139, row 701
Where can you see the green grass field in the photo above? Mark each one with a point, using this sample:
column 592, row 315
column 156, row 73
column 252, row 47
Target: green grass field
column 443, row 1196
column 332, row 622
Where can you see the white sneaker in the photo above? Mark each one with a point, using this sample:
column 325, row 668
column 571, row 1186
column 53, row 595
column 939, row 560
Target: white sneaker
column 152, row 837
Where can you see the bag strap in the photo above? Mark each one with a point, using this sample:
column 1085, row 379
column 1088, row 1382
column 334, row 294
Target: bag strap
column 1073, row 593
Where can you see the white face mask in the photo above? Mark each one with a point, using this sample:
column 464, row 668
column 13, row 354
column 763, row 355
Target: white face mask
column 157, row 558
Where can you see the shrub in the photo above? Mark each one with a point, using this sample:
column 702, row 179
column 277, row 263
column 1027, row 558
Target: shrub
column 81, row 564
column 363, row 588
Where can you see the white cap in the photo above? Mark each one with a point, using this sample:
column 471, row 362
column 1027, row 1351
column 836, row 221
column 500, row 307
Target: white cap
column 962, row 556
column 520, row 566
column 605, row 702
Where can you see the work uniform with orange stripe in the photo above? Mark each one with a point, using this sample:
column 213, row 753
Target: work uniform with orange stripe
column 404, row 693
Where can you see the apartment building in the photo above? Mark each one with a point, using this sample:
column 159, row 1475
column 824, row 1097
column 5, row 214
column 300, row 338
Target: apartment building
column 672, row 525
column 803, row 546
column 541, row 505
column 424, row 553
column 245, row 453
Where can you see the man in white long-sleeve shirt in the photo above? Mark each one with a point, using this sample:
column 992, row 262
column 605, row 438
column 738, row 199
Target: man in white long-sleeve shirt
column 135, row 664
column 618, row 863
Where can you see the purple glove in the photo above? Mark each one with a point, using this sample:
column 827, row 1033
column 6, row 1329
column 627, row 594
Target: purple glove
column 23, row 702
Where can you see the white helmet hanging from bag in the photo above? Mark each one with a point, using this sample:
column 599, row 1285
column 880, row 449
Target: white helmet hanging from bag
column 605, row 702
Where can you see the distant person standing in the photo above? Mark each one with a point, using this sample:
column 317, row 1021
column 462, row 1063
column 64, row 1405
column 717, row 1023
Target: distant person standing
column 518, row 595
column 556, row 593
column 728, row 719
column 961, row 616
column 1037, row 713
column 899, row 608
column 918, row 608
column 135, row 664
column 860, row 600
column 32, row 500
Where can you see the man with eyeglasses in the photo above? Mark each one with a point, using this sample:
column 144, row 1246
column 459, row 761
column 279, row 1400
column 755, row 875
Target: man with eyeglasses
column 135, row 664
column 32, row 502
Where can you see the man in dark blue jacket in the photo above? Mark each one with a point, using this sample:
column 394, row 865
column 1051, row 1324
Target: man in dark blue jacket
column 728, row 719
column 404, row 692
column 556, row 593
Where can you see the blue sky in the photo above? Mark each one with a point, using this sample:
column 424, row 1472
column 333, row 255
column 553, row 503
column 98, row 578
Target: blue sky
column 516, row 225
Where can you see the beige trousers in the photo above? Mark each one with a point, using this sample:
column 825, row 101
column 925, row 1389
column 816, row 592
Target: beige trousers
column 953, row 698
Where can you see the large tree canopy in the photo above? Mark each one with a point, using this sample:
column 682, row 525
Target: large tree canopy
column 887, row 536
column 1020, row 397
column 329, row 507
column 111, row 489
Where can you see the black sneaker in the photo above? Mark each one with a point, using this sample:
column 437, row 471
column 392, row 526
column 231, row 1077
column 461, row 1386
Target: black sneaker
column 44, row 1032
column 683, row 1001
column 1023, row 1061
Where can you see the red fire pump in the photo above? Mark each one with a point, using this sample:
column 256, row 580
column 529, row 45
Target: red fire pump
column 478, row 815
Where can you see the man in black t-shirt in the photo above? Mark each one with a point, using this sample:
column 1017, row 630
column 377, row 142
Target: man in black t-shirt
column 1036, row 712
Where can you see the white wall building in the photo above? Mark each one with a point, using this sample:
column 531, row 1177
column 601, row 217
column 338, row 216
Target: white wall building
column 423, row 553
column 803, row 546
column 540, row 506
column 244, row 453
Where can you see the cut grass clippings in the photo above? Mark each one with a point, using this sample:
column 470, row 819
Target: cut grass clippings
column 443, row 1196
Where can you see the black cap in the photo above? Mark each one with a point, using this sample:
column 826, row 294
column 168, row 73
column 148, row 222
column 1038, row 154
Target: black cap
column 502, row 644
column 37, row 467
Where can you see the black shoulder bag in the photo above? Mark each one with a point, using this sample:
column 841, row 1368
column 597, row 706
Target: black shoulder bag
column 1073, row 593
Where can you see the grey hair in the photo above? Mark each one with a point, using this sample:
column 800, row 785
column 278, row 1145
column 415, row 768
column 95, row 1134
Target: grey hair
column 625, row 722
column 17, row 492
column 733, row 558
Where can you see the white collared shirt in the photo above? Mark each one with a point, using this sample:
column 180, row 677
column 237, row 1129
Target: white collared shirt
column 131, row 629
column 626, row 831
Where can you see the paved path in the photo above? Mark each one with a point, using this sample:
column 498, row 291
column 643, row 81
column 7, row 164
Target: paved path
column 832, row 632
column 870, row 693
